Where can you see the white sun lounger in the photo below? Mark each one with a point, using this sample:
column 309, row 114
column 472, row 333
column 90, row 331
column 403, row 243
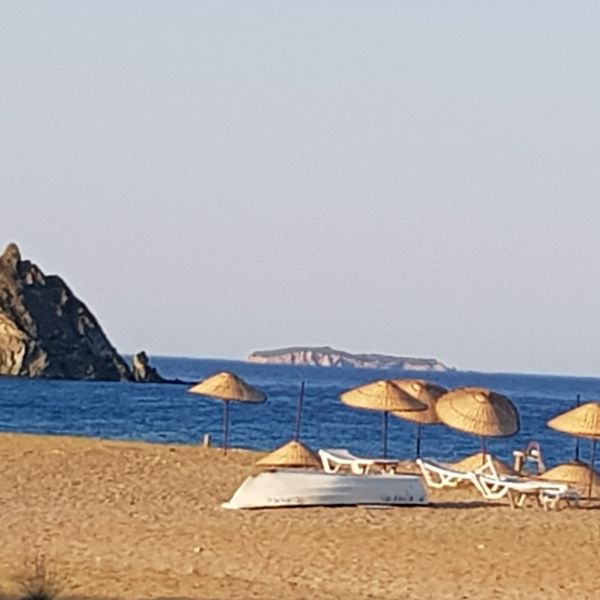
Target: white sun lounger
column 548, row 494
column 437, row 475
column 337, row 459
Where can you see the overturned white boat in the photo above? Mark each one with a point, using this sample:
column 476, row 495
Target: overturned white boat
column 287, row 487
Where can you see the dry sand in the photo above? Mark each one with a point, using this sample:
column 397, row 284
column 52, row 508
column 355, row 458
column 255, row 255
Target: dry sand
column 134, row 520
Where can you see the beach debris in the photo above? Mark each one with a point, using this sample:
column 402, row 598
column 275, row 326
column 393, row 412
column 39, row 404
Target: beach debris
column 38, row 581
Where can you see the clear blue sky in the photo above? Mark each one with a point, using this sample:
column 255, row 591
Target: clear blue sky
column 416, row 178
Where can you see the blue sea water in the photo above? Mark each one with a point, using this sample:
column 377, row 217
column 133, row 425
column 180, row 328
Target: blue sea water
column 168, row 414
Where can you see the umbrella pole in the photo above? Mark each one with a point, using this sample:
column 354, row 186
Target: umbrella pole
column 577, row 438
column 418, row 440
column 592, row 461
column 385, row 432
column 225, row 426
column 299, row 413
column 483, row 450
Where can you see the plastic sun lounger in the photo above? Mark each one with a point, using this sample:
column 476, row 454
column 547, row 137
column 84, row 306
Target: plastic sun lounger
column 334, row 459
column 548, row 494
column 438, row 475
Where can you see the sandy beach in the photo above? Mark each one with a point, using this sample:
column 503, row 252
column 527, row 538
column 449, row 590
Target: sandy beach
column 135, row 520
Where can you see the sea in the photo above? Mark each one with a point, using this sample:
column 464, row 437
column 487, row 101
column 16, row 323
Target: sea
column 169, row 414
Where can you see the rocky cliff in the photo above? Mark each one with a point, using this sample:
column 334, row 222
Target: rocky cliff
column 329, row 357
column 45, row 331
column 143, row 372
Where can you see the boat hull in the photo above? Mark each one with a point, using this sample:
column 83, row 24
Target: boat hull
column 280, row 488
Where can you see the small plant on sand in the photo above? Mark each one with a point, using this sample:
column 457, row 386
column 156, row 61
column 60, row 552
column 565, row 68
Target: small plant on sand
column 38, row 581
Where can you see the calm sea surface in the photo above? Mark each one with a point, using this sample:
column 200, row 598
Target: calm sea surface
column 166, row 413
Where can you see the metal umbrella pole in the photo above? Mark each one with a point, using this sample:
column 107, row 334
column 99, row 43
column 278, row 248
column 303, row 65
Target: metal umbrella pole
column 225, row 426
column 577, row 438
column 592, row 461
column 385, row 433
column 299, row 413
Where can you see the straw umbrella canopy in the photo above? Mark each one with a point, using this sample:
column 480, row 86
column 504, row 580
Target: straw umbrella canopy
column 424, row 392
column 576, row 473
column 293, row 454
column 473, row 462
column 227, row 387
column 384, row 396
column 583, row 421
column 478, row 411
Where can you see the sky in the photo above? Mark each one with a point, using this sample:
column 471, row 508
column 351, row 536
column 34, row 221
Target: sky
column 406, row 177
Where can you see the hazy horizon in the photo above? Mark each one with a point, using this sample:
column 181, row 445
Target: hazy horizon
column 213, row 178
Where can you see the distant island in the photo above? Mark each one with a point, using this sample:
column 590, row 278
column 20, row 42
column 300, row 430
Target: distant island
column 325, row 356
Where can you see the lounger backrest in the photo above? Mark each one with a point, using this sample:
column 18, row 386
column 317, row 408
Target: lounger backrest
column 433, row 465
column 334, row 458
column 338, row 454
column 437, row 475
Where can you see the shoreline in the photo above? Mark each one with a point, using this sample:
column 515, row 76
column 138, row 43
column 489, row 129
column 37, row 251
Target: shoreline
column 127, row 519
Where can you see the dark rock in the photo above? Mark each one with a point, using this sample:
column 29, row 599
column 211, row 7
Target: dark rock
column 45, row 331
column 11, row 258
column 142, row 371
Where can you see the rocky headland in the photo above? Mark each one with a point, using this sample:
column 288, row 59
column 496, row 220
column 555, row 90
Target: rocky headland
column 46, row 331
column 329, row 357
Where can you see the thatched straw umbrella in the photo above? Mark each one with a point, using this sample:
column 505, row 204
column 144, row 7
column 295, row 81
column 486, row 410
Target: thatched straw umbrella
column 424, row 392
column 227, row 387
column 583, row 421
column 575, row 473
column 384, row 396
column 293, row 454
column 473, row 462
column 480, row 412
